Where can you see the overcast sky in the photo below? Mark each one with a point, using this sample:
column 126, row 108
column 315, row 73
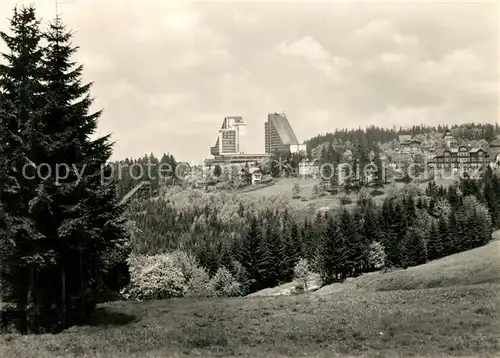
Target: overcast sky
column 166, row 72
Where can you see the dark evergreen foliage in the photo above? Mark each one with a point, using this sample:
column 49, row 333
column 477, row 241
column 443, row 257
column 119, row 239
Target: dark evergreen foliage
column 62, row 234
column 414, row 251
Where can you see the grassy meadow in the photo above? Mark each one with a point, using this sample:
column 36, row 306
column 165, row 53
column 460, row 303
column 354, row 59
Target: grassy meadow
column 446, row 308
column 307, row 204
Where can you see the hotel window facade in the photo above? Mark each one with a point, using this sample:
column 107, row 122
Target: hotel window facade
column 461, row 158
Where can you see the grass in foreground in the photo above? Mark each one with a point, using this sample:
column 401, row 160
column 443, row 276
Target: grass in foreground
column 445, row 308
column 439, row 322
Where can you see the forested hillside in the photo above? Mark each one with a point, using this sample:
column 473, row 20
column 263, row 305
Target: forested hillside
column 260, row 241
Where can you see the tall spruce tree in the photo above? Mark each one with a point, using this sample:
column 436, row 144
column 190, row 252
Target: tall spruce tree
column 353, row 245
column 414, row 251
column 333, row 252
column 268, row 257
column 21, row 108
column 67, row 226
column 87, row 222
column 395, row 235
column 249, row 252
column 445, row 234
column 434, row 245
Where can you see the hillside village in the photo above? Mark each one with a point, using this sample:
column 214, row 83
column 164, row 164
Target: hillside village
column 431, row 155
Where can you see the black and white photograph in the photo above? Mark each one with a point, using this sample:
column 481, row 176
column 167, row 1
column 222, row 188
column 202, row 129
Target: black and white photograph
column 202, row 178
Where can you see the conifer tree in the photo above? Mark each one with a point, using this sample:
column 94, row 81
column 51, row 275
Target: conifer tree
column 267, row 274
column 328, row 260
column 396, row 232
column 249, row 252
column 310, row 240
column 89, row 223
column 285, row 249
column 414, row 251
column 296, row 245
column 434, row 245
column 445, row 234
column 270, row 257
column 21, row 108
column 334, row 252
column 491, row 197
column 353, row 249
column 72, row 224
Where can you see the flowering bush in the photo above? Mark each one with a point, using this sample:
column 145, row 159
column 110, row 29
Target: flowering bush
column 301, row 273
column 177, row 274
column 376, row 255
column 154, row 277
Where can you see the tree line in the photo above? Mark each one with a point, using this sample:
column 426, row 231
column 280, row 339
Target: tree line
column 128, row 173
column 265, row 237
column 59, row 236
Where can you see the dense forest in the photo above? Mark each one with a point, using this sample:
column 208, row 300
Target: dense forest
column 126, row 174
column 260, row 240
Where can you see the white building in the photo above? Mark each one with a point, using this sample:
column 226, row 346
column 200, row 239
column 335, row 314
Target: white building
column 298, row 148
column 494, row 153
column 256, row 175
column 308, row 168
column 231, row 138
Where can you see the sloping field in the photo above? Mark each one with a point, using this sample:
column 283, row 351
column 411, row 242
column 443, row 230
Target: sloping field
column 477, row 266
column 440, row 322
column 481, row 265
column 398, row 314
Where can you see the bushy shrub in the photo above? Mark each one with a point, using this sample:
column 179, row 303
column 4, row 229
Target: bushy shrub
column 186, row 263
column 301, row 273
column 164, row 276
column 297, row 289
column 442, row 208
column 198, row 285
column 178, row 274
column 376, row 255
column 223, row 284
column 223, row 186
column 154, row 277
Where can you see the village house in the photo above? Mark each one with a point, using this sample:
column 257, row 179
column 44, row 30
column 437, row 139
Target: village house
column 256, row 175
column 411, row 146
column 494, row 152
column 463, row 158
column 308, row 168
column 449, row 140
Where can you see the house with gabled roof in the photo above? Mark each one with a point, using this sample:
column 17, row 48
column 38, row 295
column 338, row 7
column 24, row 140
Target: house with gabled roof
column 464, row 158
column 494, row 152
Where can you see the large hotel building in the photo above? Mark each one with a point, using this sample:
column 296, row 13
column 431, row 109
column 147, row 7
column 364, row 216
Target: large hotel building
column 230, row 144
column 231, row 139
column 279, row 135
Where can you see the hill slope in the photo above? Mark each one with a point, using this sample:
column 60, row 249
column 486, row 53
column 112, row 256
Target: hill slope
column 377, row 315
column 480, row 265
column 477, row 266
